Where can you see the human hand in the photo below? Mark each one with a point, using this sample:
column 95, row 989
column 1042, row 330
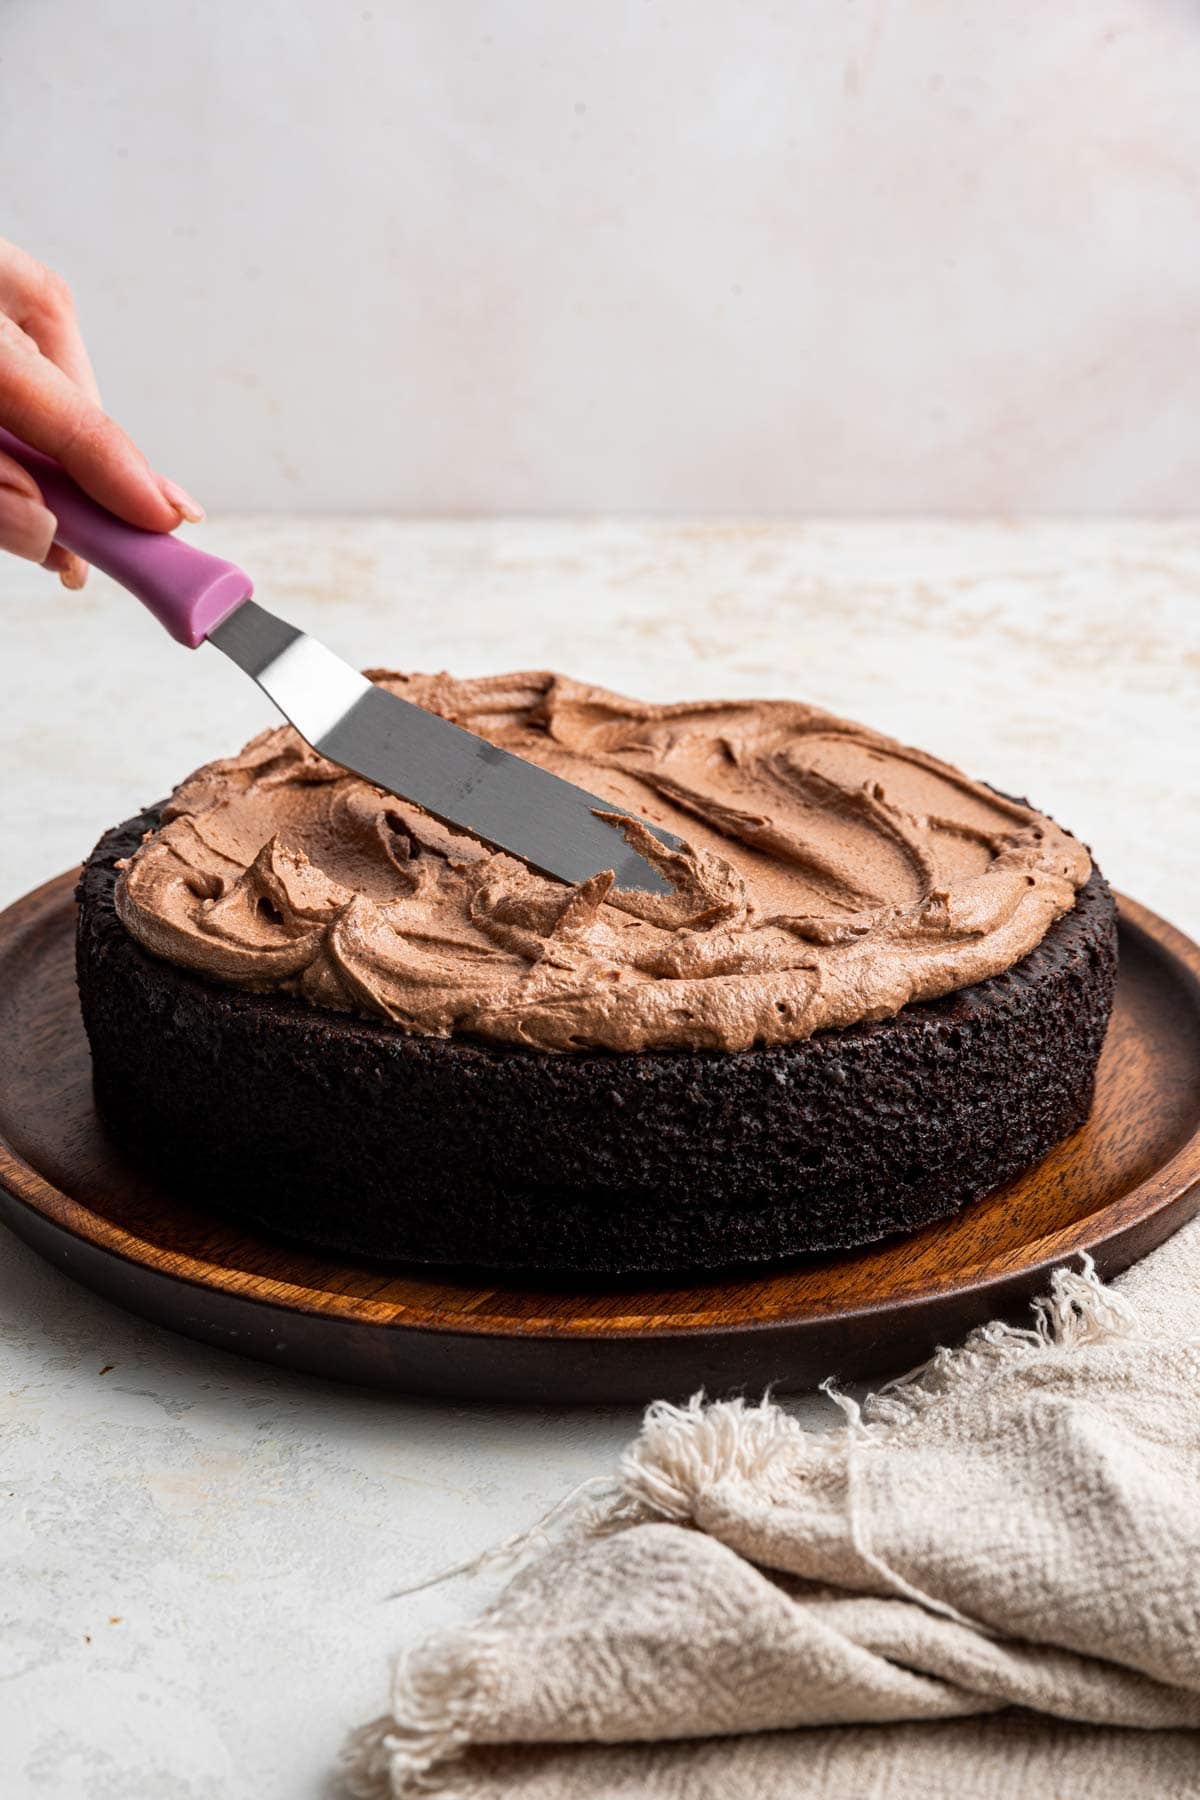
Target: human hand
column 49, row 397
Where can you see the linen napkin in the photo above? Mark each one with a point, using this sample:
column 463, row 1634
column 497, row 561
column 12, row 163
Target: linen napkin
column 986, row 1582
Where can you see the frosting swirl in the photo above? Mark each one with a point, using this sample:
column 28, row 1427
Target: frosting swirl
column 829, row 875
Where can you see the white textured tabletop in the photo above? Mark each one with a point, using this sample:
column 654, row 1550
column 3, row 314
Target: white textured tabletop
column 195, row 1551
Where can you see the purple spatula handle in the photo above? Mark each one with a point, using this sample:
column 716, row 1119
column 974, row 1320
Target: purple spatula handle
column 187, row 590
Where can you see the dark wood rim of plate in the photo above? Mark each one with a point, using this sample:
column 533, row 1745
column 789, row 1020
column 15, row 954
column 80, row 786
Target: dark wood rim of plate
column 1115, row 1189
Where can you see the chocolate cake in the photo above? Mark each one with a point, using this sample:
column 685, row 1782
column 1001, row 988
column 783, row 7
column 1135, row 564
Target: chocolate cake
column 877, row 991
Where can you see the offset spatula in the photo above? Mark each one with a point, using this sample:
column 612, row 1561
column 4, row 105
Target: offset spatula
column 461, row 779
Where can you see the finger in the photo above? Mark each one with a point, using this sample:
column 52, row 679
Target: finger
column 46, row 408
column 41, row 303
column 27, row 526
column 60, row 339
column 24, row 519
column 20, row 497
column 71, row 570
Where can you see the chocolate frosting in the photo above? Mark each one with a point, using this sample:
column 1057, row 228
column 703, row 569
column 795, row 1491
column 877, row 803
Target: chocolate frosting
column 829, row 876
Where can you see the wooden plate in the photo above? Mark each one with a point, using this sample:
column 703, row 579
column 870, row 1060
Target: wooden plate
column 1116, row 1188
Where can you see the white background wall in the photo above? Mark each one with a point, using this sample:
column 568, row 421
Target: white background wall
column 648, row 255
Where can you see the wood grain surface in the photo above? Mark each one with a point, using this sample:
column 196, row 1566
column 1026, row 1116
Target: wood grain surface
column 1117, row 1188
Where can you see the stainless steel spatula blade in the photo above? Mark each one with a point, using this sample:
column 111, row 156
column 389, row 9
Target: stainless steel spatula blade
column 460, row 778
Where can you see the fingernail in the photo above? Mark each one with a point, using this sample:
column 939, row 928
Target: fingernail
column 182, row 501
column 74, row 575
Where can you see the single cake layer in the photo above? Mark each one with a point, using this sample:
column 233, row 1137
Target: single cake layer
column 830, row 877
column 341, row 1131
